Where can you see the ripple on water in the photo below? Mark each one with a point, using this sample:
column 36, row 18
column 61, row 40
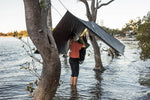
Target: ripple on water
column 119, row 81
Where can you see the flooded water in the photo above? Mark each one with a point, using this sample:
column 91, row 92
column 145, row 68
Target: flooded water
column 125, row 78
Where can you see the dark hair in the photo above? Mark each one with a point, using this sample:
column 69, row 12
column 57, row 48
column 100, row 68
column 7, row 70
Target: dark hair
column 72, row 36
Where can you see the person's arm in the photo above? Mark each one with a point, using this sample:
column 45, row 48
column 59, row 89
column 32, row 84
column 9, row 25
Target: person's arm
column 83, row 42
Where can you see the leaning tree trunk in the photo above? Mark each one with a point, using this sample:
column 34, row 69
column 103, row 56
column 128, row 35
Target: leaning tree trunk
column 97, row 55
column 91, row 14
column 36, row 21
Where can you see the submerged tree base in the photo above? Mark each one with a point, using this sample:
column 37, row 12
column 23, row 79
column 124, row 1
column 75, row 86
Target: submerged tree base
column 99, row 69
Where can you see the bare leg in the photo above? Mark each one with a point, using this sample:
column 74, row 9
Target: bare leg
column 75, row 80
column 71, row 80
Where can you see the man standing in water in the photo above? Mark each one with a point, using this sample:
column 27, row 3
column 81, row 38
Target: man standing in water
column 74, row 54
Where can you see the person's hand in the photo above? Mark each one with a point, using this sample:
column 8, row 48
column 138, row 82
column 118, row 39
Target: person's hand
column 81, row 38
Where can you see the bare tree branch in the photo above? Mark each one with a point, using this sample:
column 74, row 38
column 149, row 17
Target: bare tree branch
column 97, row 4
column 93, row 6
column 104, row 4
column 30, row 53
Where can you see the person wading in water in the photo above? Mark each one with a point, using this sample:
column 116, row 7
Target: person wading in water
column 74, row 54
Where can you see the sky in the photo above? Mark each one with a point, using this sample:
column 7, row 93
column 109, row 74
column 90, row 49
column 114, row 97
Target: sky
column 114, row 15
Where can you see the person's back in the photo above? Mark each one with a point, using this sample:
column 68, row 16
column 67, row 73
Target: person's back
column 75, row 47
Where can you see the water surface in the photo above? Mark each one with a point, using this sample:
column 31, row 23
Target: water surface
column 125, row 78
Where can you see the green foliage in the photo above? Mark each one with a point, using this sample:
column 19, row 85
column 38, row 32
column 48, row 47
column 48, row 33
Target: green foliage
column 144, row 43
column 114, row 31
column 42, row 4
column 20, row 37
column 30, row 87
column 144, row 38
column 144, row 28
column 132, row 26
column 30, row 67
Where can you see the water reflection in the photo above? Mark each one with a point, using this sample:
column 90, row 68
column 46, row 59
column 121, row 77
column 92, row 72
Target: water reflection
column 144, row 77
column 96, row 90
column 74, row 93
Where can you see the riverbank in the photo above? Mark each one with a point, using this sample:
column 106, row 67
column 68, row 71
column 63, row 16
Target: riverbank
column 6, row 36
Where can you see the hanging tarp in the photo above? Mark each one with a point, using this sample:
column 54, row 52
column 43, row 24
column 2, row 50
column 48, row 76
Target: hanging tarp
column 70, row 25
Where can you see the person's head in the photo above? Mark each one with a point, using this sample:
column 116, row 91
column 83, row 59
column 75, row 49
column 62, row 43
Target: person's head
column 73, row 38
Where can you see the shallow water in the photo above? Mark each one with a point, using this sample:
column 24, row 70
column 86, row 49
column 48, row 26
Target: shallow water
column 125, row 78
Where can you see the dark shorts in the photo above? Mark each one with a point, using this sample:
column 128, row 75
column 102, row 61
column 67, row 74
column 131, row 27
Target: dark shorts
column 74, row 63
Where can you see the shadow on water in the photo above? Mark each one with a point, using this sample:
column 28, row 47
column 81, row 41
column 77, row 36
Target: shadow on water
column 96, row 90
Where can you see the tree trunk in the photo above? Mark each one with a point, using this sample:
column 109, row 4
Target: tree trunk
column 36, row 21
column 49, row 17
column 91, row 15
column 97, row 54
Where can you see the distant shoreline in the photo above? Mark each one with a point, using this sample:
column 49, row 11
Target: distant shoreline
column 23, row 33
column 6, row 36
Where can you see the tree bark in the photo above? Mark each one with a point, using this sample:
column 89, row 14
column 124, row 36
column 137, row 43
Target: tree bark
column 97, row 54
column 92, row 15
column 36, row 22
column 49, row 17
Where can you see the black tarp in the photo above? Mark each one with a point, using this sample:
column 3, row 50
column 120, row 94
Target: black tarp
column 70, row 25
